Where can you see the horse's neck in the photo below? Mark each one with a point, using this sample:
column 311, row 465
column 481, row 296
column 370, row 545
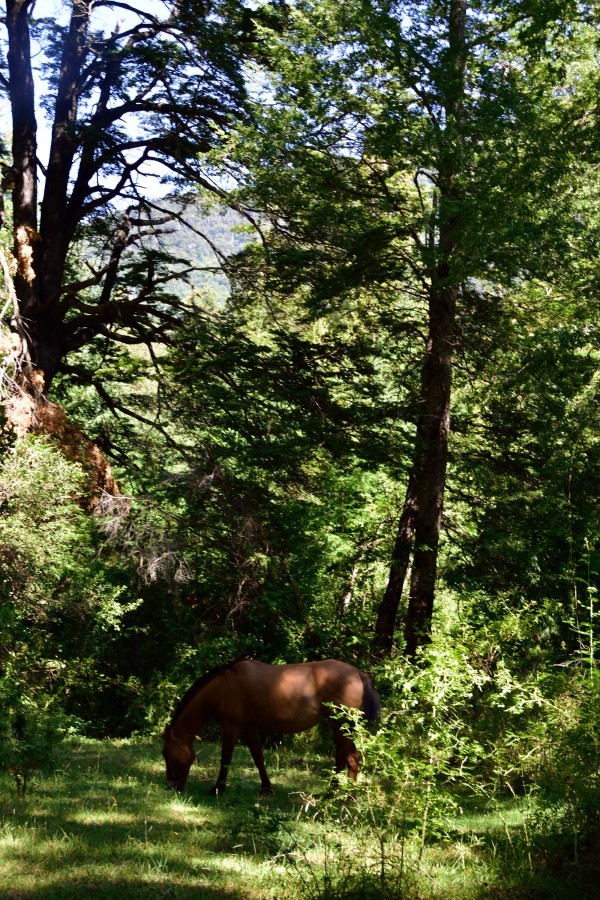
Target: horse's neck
column 194, row 715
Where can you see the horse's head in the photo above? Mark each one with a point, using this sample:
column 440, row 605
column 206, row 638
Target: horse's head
column 179, row 756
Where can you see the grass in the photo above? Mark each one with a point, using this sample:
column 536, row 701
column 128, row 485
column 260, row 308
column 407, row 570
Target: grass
column 103, row 825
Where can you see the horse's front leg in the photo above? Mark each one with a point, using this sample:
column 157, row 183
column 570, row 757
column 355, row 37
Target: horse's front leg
column 251, row 738
column 229, row 735
column 346, row 754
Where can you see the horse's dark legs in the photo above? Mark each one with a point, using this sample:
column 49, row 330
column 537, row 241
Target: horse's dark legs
column 346, row 754
column 252, row 740
column 229, row 735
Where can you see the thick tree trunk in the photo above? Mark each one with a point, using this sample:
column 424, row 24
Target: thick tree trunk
column 55, row 235
column 436, row 378
column 41, row 255
column 95, row 159
column 421, row 519
column 431, row 472
column 24, row 149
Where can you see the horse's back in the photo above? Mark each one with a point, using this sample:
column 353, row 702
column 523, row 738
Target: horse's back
column 279, row 698
column 339, row 683
column 350, row 687
column 294, row 697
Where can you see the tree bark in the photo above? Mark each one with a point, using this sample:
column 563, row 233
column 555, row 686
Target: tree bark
column 24, row 150
column 54, row 234
column 420, row 522
column 431, row 468
column 139, row 107
column 401, row 554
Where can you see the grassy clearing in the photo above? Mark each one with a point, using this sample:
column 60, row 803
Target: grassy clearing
column 104, row 825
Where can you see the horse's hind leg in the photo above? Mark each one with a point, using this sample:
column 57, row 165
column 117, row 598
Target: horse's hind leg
column 346, row 754
column 252, row 740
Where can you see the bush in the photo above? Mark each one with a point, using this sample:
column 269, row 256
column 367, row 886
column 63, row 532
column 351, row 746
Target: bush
column 30, row 729
column 62, row 604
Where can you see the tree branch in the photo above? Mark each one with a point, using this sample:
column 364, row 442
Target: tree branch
column 115, row 406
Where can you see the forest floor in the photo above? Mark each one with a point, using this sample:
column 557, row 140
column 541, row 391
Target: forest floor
column 103, row 825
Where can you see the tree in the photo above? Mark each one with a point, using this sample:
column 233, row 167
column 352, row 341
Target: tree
column 524, row 476
column 270, row 424
column 420, row 148
column 470, row 104
column 128, row 100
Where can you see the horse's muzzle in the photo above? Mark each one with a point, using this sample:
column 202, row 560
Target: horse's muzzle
column 172, row 786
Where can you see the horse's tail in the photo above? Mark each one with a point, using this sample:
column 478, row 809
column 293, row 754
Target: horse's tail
column 371, row 705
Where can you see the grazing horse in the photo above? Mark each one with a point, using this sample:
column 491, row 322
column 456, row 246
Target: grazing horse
column 246, row 695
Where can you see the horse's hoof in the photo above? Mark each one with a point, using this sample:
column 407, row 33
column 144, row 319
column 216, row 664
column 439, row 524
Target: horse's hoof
column 266, row 792
column 217, row 790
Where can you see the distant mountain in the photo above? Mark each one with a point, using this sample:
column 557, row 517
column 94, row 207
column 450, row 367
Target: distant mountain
column 219, row 229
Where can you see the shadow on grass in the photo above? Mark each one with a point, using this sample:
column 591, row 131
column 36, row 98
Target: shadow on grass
column 547, row 869
column 521, row 862
column 104, row 824
column 141, row 761
column 121, row 888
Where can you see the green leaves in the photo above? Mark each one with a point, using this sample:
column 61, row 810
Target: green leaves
column 525, row 459
column 62, row 606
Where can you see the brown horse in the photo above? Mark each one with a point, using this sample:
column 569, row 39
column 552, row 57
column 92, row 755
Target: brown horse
column 247, row 695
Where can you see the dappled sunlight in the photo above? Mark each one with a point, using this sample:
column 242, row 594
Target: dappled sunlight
column 115, row 855
column 102, row 817
column 115, row 834
column 334, row 631
column 89, row 825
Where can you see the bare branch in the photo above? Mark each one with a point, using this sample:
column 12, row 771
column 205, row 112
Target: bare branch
column 119, row 4
column 115, row 406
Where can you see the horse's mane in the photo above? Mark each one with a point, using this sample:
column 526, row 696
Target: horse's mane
column 198, row 685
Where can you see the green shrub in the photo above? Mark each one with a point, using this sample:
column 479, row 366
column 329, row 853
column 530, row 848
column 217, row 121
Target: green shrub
column 62, row 604
column 31, row 727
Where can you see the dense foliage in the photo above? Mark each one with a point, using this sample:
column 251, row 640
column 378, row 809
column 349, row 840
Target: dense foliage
column 364, row 424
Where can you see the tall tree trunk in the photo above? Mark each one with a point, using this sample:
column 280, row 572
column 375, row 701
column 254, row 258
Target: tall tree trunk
column 24, row 149
column 41, row 255
column 421, row 519
column 420, row 522
column 431, row 469
column 54, row 233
